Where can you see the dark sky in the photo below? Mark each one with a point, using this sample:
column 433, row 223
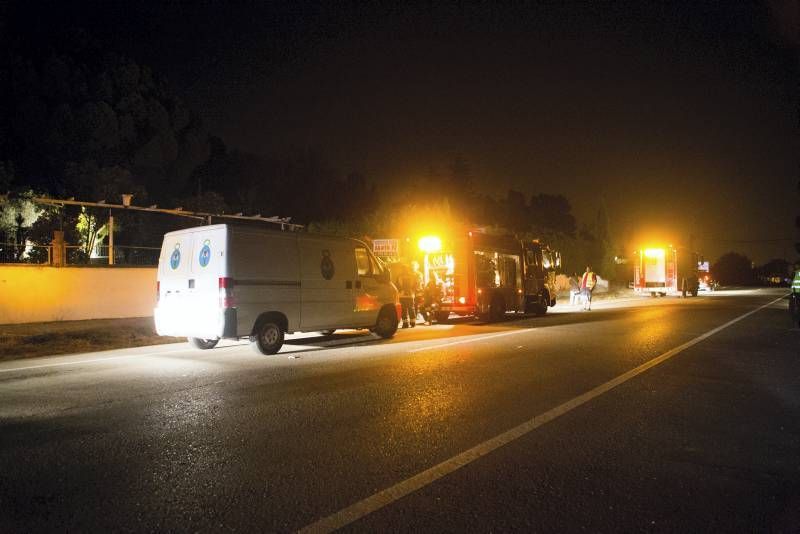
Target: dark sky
column 681, row 116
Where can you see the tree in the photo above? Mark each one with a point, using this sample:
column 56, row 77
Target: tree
column 775, row 268
column 733, row 269
column 601, row 255
column 517, row 216
column 81, row 107
column 552, row 212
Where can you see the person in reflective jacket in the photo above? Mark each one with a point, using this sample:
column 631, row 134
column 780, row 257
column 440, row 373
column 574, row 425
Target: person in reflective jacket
column 588, row 281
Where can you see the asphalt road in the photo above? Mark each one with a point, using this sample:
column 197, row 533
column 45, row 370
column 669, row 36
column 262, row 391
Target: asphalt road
column 643, row 415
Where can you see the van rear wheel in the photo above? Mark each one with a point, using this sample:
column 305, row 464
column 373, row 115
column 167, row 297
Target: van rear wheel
column 267, row 338
column 202, row 344
column 386, row 326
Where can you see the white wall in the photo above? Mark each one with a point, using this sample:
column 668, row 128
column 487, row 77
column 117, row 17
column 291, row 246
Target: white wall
column 30, row 293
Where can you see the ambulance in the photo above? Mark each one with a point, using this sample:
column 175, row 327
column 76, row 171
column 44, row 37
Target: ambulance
column 230, row 282
column 665, row 270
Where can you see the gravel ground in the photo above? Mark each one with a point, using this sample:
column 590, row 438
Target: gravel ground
column 65, row 337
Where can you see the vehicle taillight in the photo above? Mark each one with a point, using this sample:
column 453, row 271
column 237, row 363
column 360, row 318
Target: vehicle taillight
column 226, row 293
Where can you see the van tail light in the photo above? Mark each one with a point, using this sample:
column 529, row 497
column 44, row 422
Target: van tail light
column 226, row 293
column 158, row 291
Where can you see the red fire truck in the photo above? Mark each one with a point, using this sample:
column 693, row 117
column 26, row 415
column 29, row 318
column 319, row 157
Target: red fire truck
column 488, row 275
column 664, row 270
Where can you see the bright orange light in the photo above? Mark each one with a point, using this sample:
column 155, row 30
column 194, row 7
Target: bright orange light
column 654, row 252
column 462, row 300
column 430, row 244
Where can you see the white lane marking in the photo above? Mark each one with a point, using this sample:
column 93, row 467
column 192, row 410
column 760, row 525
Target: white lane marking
column 471, row 340
column 93, row 360
column 389, row 495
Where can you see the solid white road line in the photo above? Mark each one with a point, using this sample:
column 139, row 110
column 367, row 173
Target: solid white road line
column 93, row 360
column 389, row 495
column 471, row 340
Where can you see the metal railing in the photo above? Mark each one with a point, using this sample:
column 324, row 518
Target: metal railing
column 24, row 253
column 12, row 253
column 123, row 255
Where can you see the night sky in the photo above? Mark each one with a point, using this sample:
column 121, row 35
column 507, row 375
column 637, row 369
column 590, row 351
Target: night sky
column 682, row 117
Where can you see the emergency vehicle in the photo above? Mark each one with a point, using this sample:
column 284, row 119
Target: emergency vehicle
column 227, row 281
column 488, row 275
column 665, row 270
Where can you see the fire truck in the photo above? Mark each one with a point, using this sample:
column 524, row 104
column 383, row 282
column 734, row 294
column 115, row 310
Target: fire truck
column 488, row 275
column 665, row 270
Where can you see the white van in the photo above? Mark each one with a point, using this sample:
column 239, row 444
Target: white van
column 226, row 281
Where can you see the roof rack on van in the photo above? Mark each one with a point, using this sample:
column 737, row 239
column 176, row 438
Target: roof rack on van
column 284, row 222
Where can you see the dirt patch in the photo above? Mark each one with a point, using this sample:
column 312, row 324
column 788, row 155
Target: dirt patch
column 46, row 339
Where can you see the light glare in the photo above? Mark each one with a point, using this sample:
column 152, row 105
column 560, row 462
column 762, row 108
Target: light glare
column 430, row 244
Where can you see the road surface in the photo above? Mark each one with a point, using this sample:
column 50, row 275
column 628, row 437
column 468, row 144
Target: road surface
column 645, row 415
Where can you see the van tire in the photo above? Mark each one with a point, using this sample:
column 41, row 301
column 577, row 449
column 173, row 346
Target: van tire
column 442, row 316
column 202, row 344
column 267, row 338
column 386, row 325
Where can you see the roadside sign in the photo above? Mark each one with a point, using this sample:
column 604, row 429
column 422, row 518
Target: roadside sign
column 385, row 247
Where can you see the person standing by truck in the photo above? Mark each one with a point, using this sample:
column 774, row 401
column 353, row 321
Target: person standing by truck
column 408, row 285
column 419, row 295
column 432, row 298
column 588, row 282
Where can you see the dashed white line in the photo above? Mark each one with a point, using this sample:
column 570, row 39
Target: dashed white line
column 471, row 340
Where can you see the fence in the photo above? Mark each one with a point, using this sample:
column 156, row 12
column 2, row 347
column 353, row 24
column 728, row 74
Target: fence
column 25, row 253
column 12, row 253
column 123, row 255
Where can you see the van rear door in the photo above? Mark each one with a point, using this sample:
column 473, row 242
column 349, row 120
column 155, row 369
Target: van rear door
column 192, row 262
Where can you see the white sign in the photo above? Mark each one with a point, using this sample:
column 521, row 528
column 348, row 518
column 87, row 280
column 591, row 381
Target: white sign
column 385, row 247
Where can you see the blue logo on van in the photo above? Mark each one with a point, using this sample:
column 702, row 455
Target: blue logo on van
column 205, row 253
column 175, row 259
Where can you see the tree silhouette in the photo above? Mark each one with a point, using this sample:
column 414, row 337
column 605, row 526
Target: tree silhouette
column 733, row 269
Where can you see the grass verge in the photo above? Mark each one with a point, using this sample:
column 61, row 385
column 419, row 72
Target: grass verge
column 19, row 341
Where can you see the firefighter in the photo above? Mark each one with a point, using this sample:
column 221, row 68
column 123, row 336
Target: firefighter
column 431, row 300
column 588, row 282
column 407, row 284
column 420, row 288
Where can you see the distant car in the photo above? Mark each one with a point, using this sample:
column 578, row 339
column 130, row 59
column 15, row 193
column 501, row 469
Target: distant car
column 707, row 283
